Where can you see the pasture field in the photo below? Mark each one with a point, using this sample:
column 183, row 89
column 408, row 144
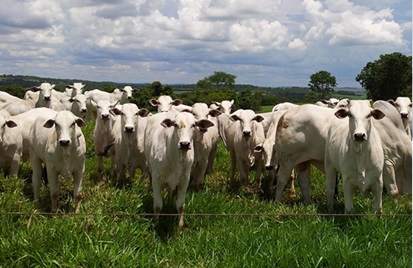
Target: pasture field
column 226, row 226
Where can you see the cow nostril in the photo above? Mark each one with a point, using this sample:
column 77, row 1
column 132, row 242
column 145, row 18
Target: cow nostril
column 129, row 129
column 246, row 133
column 64, row 142
column 360, row 136
column 105, row 116
column 404, row 115
column 84, row 110
column 46, row 98
column 184, row 145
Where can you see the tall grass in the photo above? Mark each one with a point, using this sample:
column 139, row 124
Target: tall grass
column 113, row 229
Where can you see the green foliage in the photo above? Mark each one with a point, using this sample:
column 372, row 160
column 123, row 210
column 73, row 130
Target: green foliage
column 249, row 99
column 218, row 81
column 322, row 83
column 388, row 77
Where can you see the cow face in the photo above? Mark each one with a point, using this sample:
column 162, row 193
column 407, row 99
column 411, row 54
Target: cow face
column 103, row 108
column 65, row 125
column 359, row 113
column 79, row 104
column 45, row 91
column 129, row 113
column 246, row 119
column 164, row 103
column 127, row 92
column 403, row 105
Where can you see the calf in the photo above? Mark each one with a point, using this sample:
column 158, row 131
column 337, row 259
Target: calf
column 241, row 133
column 354, row 149
column 127, row 134
column 59, row 143
column 170, row 155
column 205, row 143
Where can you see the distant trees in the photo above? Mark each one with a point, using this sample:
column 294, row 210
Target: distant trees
column 218, row 81
column 322, row 85
column 388, row 77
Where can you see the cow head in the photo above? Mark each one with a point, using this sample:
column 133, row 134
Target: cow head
column 129, row 113
column 5, row 123
column 164, row 103
column 403, row 105
column 103, row 108
column 246, row 118
column 45, row 91
column 359, row 114
column 65, row 123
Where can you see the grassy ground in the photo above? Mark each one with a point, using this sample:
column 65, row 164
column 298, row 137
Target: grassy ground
column 113, row 230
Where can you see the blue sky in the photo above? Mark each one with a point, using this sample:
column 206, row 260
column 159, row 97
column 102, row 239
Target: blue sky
column 262, row 42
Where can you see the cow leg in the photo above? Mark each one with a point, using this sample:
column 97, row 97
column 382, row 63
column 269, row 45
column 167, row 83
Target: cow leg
column 36, row 164
column 258, row 166
column 233, row 165
column 211, row 158
column 330, row 185
column 377, row 189
column 15, row 164
column 180, row 200
column 243, row 167
column 100, row 166
column 77, row 189
column 197, row 174
column 283, row 175
column 348, row 194
column 54, row 188
column 389, row 179
column 157, row 197
column 303, row 176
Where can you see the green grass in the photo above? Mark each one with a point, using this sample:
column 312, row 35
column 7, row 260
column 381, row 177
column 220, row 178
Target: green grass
column 113, row 230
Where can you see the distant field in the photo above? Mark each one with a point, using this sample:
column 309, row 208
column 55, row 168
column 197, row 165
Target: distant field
column 226, row 226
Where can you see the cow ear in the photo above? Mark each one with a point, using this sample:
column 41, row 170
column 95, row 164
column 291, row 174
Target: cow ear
column 116, row 111
column 341, row 113
column 167, row 123
column 176, row 102
column 214, row 113
column 143, row 112
column 80, row 122
column 153, row 102
column 258, row 148
column 232, row 102
column 392, row 102
column 259, row 118
column 234, row 117
column 11, row 123
column 34, row 89
column 204, row 123
column 377, row 114
column 93, row 103
column 49, row 123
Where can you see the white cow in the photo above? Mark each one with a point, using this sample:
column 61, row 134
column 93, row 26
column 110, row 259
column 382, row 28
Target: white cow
column 73, row 90
column 18, row 106
column 78, row 105
column 103, row 133
column 284, row 106
column 223, row 106
column 95, row 95
column 404, row 106
column 241, row 132
column 170, row 155
column 354, row 149
column 46, row 98
column 300, row 141
column 164, row 103
column 127, row 134
column 59, row 143
column 6, row 97
column 124, row 94
column 330, row 103
column 10, row 145
column 397, row 147
column 205, row 143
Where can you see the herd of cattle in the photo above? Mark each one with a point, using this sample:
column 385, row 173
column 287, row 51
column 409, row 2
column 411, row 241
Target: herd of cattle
column 369, row 145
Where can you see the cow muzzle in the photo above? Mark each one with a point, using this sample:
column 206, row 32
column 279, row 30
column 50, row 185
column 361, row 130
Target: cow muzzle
column 246, row 133
column 360, row 136
column 404, row 115
column 185, row 145
column 64, row 143
column 129, row 129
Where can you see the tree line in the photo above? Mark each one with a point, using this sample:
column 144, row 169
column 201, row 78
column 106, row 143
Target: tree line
column 388, row 77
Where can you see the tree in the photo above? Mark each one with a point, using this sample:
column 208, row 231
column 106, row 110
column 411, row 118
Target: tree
column 217, row 81
column 322, row 84
column 388, row 77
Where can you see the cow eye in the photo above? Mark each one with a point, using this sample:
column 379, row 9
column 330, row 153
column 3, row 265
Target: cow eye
column 368, row 116
column 193, row 126
column 176, row 125
column 73, row 124
column 350, row 115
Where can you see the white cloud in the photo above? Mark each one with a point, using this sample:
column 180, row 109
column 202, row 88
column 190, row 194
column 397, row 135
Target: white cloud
column 177, row 41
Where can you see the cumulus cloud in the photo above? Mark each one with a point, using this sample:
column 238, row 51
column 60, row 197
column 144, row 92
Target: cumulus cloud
column 263, row 42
